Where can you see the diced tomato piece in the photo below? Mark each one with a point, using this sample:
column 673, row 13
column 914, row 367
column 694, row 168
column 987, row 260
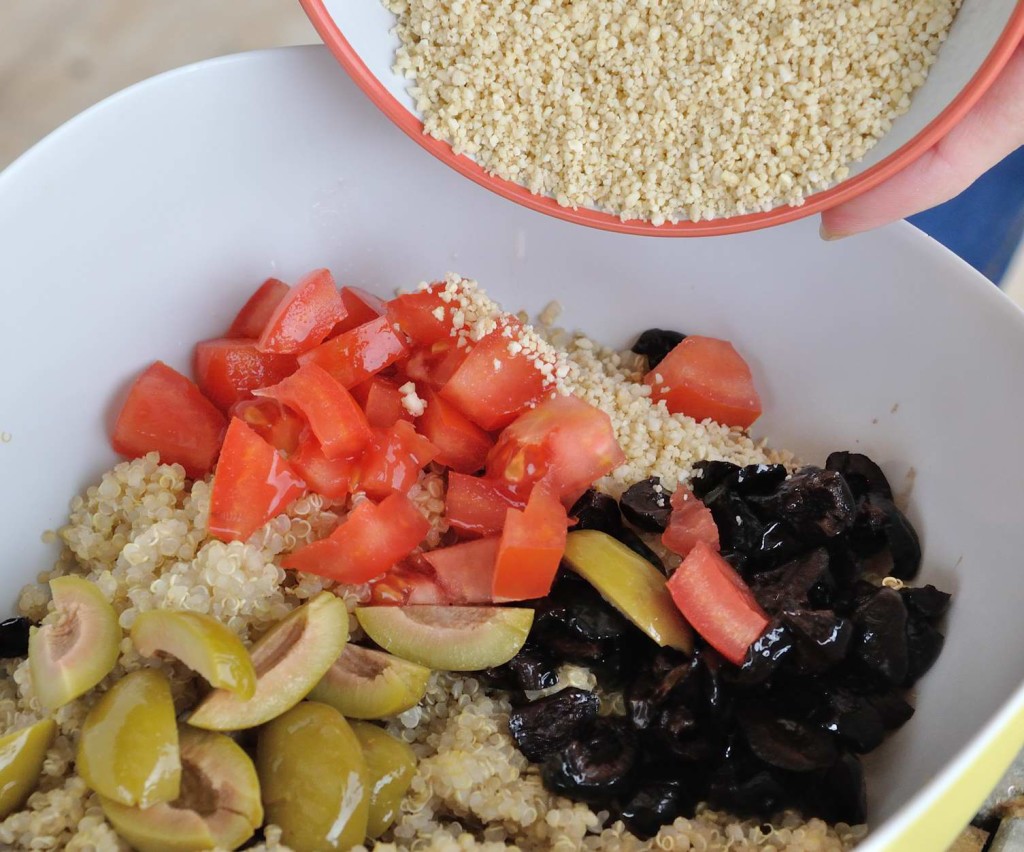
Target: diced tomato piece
column 332, row 478
column 357, row 354
column 255, row 313
column 304, row 317
column 278, row 426
column 476, row 506
column 706, row 377
column 435, row 365
column 565, row 440
column 371, row 540
column 691, row 521
column 382, row 401
column 466, row 571
column 252, row 484
column 334, row 416
column 461, row 444
column 360, row 307
column 416, row 314
column 402, row 586
column 493, row 386
column 531, row 548
column 716, row 601
column 394, row 460
column 167, row 413
column 228, row 370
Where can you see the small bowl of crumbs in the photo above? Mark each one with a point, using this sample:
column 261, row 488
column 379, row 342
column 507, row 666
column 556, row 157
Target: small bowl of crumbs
column 673, row 117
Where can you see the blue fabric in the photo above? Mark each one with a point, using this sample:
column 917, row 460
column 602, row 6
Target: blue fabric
column 984, row 224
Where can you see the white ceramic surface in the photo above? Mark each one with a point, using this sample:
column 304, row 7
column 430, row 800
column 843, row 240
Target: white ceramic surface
column 138, row 227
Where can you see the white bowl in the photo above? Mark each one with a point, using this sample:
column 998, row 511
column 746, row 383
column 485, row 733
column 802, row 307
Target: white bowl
column 137, row 228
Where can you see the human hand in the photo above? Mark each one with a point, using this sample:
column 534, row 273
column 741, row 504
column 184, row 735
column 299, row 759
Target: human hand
column 992, row 130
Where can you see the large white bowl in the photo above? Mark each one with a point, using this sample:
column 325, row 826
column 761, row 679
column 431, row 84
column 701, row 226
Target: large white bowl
column 138, row 227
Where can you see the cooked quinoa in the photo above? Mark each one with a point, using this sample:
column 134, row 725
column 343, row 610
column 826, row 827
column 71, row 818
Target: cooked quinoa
column 140, row 534
column 667, row 109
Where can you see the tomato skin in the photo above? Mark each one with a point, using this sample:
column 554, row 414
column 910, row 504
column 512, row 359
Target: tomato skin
column 531, row 547
column 461, row 444
column 357, row 354
column 372, row 539
column 476, row 506
column 252, row 319
column 691, row 521
column 304, row 317
column 565, row 440
column 402, row 586
column 414, row 314
column 252, row 484
column 492, row 386
column 382, row 401
column 331, row 478
column 166, row 412
column 360, row 307
column 275, row 424
column 228, row 370
column 717, row 603
column 433, row 366
column 465, row 571
column 393, row 461
column 334, row 416
column 706, row 377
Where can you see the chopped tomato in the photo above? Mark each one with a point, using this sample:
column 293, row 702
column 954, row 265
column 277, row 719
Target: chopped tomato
column 334, row 416
column 715, row 600
column 304, row 317
column 255, row 313
column 252, row 484
column 354, row 356
column 492, row 386
column 565, row 440
column 382, row 401
column 167, row 413
column 706, row 377
column 434, row 365
column 466, row 571
column 691, row 521
column 332, row 478
column 402, row 586
column 278, row 426
column 424, row 316
column 360, row 307
column 228, row 370
column 476, row 507
column 393, row 460
column 371, row 540
column 461, row 444
column 531, row 548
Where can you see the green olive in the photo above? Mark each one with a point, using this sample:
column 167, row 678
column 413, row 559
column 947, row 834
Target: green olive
column 21, row 761
column 128, row 748
column 390, row 766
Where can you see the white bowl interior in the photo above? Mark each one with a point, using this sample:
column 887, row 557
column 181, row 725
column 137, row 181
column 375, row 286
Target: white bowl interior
column 367, row 26
column 139, row 228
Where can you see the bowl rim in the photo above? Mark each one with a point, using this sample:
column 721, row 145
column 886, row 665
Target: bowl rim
column 1006, row 44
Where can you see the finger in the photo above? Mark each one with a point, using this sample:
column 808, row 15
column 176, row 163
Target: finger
column 992, row 129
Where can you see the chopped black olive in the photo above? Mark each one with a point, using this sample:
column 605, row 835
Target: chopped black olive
column 854, row 719
column 14, row 637
column 654, row 805
column 596, row 511
column 656, row 343
column 708, row 475
column 546, row 725
column 596, row 765
column 881, row 528
column 787, row 743
column 818, row 504
column 924, row 644
column 880, row 640
column 926, row 601
column 821, row 638
column 766, row 655
column 645, row 504
column 531, row 668
column 861, row 474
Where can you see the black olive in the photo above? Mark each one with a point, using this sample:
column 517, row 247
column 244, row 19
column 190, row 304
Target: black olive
column 882, row 528
column 802, row 582
column 861, row 474
column 596, row 765
column 854, row 719
column 924, row 644
column 708, row 475
column 548, row 724
column 892, row 708
column 880, row 635
column 841, row 795
column 656, row 343
column 757, row 480
column 788, row 744
column 654, row 805
column 925, row 601
column 531, row 668
column 645, row 504
column 596, row 511
column 779, row 543
column 665, row 673
column 717, row 699
column 640, row 548
column 14, row 637
column 766, row 655
column 820, row 636
column 742, row 785
column 738, row 527
column 818, row 504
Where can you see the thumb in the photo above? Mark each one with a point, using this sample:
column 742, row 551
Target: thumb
column 992, row 129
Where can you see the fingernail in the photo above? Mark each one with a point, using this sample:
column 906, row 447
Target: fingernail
column 827, row 235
